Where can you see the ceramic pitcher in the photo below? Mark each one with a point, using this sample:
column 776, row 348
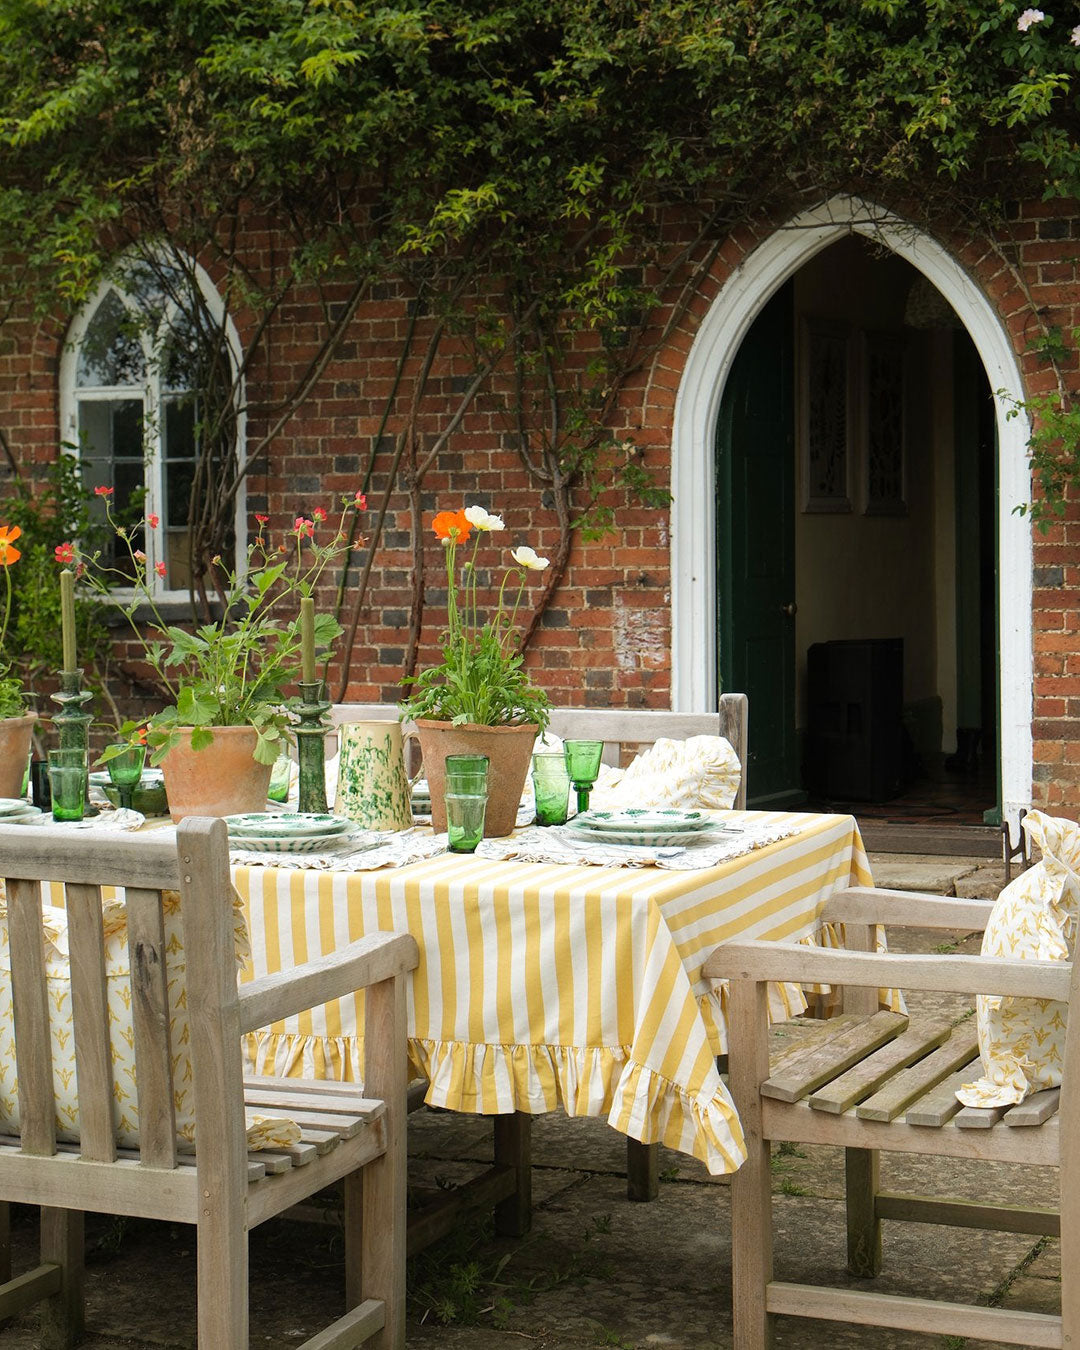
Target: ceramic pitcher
column 373, row 787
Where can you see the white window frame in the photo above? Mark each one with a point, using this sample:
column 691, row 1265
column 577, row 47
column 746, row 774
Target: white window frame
column 71, row 395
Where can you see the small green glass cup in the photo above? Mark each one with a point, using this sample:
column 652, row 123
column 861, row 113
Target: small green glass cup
column 466, row 773
column 583, row 765
column 67, row 783
column 551, row 787
column 125, row 771
column 465, row 812
column 280, row 779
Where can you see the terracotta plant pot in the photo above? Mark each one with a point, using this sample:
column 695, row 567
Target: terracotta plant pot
column 16, row 733
column 223, row 779
column 509, row 751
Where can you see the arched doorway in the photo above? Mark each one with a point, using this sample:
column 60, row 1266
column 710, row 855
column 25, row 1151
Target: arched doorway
column 696, row 601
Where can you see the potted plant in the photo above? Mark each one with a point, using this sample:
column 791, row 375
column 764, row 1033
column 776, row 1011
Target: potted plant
column 16, row 724
column 479, row 699
column 225, row 679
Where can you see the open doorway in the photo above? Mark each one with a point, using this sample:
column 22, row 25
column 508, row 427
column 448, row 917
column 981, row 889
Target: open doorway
column 856, row 545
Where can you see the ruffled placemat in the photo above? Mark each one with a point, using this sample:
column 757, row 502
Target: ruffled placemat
column 396, row 850
column 553, row 845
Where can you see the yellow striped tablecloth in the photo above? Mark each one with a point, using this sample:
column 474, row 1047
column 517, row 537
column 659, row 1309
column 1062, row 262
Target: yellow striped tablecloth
column 543, row 986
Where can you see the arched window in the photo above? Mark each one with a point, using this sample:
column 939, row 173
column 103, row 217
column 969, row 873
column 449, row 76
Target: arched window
column 149, row 404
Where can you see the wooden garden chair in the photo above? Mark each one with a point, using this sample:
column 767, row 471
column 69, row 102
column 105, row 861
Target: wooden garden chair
column 346, row 1133
column 878, row 1080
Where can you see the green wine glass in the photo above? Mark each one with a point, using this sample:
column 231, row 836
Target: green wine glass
column 583, row 766
column 125, row 771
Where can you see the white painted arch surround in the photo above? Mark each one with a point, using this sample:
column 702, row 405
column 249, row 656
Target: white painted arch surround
column 697, row 406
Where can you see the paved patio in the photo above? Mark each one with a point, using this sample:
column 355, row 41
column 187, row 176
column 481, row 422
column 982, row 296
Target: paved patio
column 596, row 1270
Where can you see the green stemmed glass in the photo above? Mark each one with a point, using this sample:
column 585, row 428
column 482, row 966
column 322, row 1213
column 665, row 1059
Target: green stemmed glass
column 125, row 771
column 583, row 766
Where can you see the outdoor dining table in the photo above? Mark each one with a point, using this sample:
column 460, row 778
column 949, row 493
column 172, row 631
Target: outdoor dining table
column 552, row 985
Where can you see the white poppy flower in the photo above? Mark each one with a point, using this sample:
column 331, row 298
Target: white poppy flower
column 480, row 519
column 1029, row 18
column 527, row 557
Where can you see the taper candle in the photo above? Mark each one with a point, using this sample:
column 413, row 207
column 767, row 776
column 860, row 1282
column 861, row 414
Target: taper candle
column 67, row 617
column 307, row 639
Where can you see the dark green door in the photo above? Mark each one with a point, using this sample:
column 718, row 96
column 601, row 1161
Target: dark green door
column 756, row 547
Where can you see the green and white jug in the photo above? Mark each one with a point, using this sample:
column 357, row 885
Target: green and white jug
column 373, row 788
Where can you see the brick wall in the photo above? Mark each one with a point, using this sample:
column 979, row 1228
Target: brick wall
column 605, row 638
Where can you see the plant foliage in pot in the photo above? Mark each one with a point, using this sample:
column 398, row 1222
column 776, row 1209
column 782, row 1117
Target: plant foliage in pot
column 226, row 721
column 479, row 699
column 16, row 724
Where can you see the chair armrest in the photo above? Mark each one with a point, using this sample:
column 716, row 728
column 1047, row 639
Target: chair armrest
column 366, row 961
column 909, row 909
column 780, row 961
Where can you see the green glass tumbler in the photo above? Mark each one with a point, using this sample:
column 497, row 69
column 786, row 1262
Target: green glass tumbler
column 583, row 765
column 551, row 787
column 465, row 812
column 67, row 783
column 125, row 770
column 466, row 773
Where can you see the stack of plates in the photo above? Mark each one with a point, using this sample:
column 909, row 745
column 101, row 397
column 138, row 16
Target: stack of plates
column 297, row 832
column 16, row 811
column 649, row 828
column 421, row 798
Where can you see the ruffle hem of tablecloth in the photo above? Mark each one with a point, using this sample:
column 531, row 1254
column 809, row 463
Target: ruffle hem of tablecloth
column 493, row 1079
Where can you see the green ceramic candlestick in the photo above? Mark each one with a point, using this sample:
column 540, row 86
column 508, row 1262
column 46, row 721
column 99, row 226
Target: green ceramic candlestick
column 311, row 742
column 72, row 722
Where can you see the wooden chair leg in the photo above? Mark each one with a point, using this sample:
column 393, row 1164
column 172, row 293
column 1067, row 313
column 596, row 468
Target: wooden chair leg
column 642, row 1170
column 5, row 1242
column 751, row 1186
column 382, row 1191
column 62, row 1243
column 513, row 1148
column 862, row 1183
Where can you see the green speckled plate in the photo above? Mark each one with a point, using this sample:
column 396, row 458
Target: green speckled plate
column 658, row 820
column 350, row 840
column 286, row 825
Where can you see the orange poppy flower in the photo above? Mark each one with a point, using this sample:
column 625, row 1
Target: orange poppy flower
column 452, row 525
column 8, row 535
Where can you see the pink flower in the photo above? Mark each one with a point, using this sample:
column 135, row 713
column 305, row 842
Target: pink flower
column 319, row 514
column 303, row 529
column 160, row 569
column 263, row 520
column 360, row 501
column 1029, row 19
column 64, row 553
column 103, row 491
column 153, row 520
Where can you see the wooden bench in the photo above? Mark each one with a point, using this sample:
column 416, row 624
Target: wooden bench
column 878, row 1080
column 223, row 1190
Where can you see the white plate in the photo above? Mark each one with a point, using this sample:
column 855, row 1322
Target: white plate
column 657, row 821
column 22, row 817
column 290, row 825
column 13, row 806
column 642, row 838
column 350, row 842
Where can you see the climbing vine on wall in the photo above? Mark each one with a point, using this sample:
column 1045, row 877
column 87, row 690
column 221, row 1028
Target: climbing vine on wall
column 517, row 172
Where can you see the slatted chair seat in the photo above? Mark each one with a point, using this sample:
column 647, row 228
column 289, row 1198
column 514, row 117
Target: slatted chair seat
column 873, row 1080
column 218, row 1186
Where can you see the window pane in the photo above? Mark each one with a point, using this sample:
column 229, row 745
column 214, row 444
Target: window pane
column 110, row 438
column 179, row 475
column 110, row 352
